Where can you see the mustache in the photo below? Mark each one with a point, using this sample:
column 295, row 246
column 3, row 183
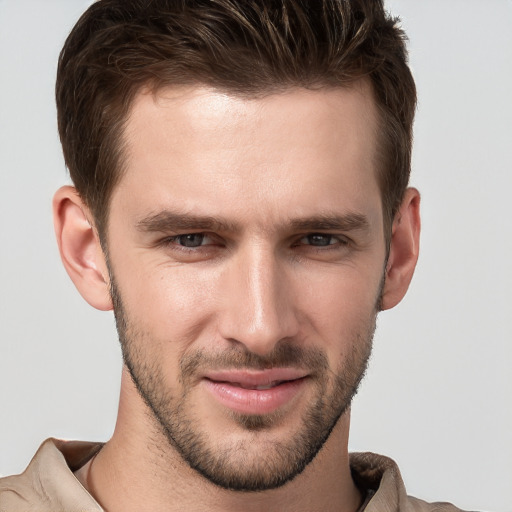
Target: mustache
column 284, row 355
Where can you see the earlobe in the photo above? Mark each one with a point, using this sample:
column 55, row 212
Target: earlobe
column 404, row 249
column 80, row 248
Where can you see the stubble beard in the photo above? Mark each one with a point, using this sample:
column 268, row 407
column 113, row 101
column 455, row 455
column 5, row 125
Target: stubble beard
column 257, row 462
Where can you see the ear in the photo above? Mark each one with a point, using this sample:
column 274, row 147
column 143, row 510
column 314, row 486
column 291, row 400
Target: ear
column 404, row 248
column 80, row 248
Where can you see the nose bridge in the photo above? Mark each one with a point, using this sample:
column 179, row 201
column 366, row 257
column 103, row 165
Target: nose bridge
column 259, row 310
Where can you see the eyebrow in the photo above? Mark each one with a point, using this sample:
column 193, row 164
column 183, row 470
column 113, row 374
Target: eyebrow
column 168, row 220
column 346, row 222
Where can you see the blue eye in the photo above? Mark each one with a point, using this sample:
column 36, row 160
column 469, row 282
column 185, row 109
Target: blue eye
column 191, row 239
column 319, row 240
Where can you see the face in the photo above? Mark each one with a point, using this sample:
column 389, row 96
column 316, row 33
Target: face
column 246, row 254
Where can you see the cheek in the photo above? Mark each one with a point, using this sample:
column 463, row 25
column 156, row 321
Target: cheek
column 170, row 303
column 341, row 308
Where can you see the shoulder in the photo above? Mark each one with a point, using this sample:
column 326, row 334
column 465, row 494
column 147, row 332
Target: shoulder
column 48, row 483
column 417, row 505
column 380, row 476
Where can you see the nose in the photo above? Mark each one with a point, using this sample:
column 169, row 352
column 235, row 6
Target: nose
column 258, row 309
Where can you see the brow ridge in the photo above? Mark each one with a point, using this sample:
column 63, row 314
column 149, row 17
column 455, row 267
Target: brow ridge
column 168, row 220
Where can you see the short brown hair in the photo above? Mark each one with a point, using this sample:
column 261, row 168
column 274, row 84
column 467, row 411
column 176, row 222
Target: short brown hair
column 252, row 47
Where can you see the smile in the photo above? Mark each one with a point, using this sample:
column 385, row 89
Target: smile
column 258, row 388
column 255, row 392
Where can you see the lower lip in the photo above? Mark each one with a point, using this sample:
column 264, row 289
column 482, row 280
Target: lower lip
column 254, row 401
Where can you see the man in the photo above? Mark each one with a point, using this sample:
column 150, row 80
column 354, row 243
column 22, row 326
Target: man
column 240, row 201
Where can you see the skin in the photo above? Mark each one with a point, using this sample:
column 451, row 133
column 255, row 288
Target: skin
column 268, row 169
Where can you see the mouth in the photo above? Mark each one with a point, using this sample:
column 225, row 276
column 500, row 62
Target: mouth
column 258, row 388
column 255, row 392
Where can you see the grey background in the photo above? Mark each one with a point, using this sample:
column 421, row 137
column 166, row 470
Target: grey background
column 438, row 394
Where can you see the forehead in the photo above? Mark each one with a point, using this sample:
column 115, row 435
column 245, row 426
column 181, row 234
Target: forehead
column 193, row 111
column 290, row 151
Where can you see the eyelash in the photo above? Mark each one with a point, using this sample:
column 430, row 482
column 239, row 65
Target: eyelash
column 174, row 239
column 339, row 241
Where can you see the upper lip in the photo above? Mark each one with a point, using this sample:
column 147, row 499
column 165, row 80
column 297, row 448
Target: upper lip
column 256, row 378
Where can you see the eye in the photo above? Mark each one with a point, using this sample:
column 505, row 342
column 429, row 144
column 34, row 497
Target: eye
column 192, row 247
column 320, row 240
column 191, row 239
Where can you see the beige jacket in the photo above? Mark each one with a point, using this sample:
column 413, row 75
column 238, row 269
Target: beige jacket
column 48, row 483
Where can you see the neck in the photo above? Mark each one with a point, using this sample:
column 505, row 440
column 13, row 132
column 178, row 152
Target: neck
column 136, row 471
